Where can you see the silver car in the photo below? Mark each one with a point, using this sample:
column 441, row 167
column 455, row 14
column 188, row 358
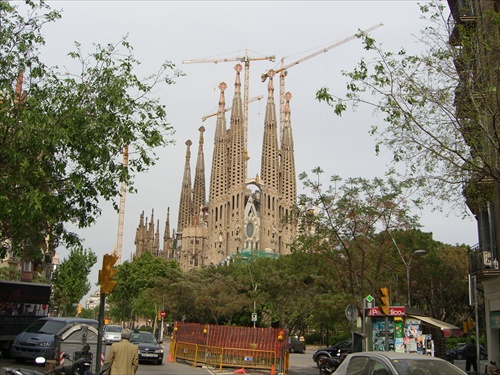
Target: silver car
column 112, row 334
column 391, row 363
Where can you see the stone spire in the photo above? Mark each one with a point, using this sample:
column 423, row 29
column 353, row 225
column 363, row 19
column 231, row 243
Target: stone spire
column 185, row 204
column 269, row 172
column 219, row 172
column 288, row 183
column 140, row 236
column 237, row 155
column 199, row 191
column 156, row 243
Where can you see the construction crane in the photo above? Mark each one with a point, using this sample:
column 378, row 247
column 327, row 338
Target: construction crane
column 246, row 59
column 121, row 211
column 283, row 70
column 229, row 107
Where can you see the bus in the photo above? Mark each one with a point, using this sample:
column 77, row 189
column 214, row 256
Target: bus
column 21, row 304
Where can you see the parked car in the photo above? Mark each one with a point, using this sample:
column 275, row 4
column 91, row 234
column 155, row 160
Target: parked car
column 392, row 363
column 112, row 334
column 37, row 340
column 150, row 350
column 296, row 346
column 459, row 352
column 337, row 350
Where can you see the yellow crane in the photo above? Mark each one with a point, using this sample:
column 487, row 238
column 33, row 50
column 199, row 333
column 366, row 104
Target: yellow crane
column 283, row 70
column 245, row 59
column 121, row 211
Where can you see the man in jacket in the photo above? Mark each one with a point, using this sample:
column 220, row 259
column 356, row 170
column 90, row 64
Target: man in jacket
column 124, row 356
column 471, row 355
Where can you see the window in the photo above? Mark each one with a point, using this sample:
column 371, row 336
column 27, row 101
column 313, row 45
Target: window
column 357, row 366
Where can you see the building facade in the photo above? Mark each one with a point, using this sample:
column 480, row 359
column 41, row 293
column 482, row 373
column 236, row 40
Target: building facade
column 475, row 35
column 241, row 214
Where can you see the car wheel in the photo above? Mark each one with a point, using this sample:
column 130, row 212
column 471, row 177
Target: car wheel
column 459, row 356
column 326, row 370
column 159, row 362
column 319, row 357
column 483, row 356
column 291, row 350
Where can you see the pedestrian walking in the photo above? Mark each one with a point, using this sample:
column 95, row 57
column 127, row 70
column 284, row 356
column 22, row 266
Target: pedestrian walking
column 123, row 356
column 471, row 355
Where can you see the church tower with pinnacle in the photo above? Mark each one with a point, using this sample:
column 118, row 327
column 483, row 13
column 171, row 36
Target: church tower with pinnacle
column 242, row 215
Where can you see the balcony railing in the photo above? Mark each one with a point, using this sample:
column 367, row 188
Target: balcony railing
column 482, row 261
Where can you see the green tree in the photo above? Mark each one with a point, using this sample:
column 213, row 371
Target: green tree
column 70, row 280
column 62, row 133
column 343, row 221
column 129, row 298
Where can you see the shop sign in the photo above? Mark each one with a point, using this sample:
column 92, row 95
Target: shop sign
column 393, row 311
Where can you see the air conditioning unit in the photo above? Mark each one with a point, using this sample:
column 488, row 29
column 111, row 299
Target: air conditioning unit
column 487, row 259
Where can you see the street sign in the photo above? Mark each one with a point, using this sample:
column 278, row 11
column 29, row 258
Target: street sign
column 351, row 312
column 369, row 298
column 254, row 317
column 163, row 314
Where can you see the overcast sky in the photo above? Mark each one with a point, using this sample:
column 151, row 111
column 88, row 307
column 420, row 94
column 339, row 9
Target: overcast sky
column 180, row 30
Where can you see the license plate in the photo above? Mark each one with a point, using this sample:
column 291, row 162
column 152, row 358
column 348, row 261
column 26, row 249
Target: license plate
column 149, row 355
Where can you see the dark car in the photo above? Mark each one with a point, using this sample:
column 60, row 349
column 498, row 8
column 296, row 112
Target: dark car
column 296, row 346
column 150, row 350
column 337, row 350
column 460, row 352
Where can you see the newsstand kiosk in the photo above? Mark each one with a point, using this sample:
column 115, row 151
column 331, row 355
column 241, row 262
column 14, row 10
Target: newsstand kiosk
column 407, row 330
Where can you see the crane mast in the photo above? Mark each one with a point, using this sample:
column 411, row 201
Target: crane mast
column 283, row 71
column 245, row 59
column 121, row 210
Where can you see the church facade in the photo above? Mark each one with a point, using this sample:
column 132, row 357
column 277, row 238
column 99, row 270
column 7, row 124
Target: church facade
column 241, row 213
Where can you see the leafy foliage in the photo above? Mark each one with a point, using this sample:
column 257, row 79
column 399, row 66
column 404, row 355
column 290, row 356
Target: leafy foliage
column 70, row 280
column 62, row 133
column 439, row 106
column 129, row 298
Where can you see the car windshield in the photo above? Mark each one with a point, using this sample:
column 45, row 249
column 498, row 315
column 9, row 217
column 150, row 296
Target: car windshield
column 144, row 337
column 46, row 326
column 113, row 329
column 424, row 367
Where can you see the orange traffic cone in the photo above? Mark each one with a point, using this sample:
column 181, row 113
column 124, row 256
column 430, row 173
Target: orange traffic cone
column 272, row 370
column 170, row 357
column 240, row 371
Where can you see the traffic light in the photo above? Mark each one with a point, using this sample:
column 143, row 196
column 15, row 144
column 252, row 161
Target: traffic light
column 384, row 301
column 159, row 315
column 79, row 308
column 107, row 273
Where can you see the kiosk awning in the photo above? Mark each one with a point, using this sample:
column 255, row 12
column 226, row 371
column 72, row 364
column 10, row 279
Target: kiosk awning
column 449, row 330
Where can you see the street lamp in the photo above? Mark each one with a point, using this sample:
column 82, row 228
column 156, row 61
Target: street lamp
column 408, row 267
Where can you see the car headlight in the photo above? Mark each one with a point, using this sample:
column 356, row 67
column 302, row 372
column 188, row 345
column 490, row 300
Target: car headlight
column 159, row 351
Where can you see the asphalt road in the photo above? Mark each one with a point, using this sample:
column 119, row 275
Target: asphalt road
column 300, row 364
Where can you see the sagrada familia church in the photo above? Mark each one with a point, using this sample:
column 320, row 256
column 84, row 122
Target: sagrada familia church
column 242, row 215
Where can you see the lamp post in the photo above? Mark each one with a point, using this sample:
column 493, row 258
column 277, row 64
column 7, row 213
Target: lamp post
column 408, row 268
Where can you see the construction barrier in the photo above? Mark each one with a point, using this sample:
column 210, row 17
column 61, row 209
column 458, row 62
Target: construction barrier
column 230, row 346
column 224, row 357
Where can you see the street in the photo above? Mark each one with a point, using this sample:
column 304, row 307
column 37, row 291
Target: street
column 300, row 364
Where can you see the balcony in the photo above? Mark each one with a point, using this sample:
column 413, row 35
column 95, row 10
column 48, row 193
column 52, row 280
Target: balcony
column 463, row 14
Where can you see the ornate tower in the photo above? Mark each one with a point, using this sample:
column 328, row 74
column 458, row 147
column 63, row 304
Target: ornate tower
column 287, row 185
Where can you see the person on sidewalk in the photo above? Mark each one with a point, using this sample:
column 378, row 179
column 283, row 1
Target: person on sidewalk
column 123, row 356
column 471, row 355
